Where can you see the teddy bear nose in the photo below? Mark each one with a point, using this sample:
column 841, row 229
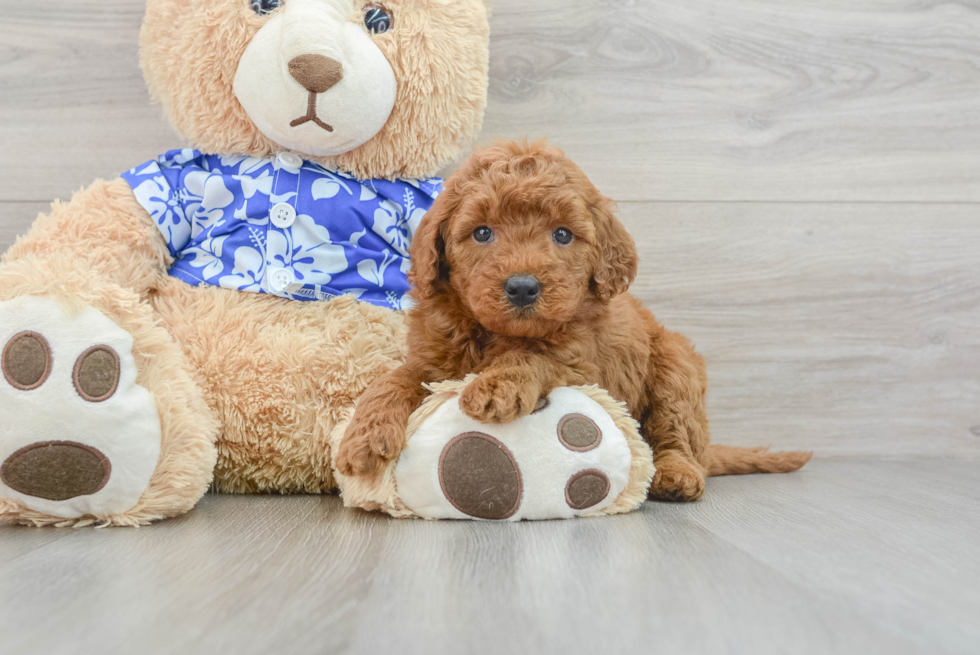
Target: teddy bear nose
column 315, row 72
column 522, row 290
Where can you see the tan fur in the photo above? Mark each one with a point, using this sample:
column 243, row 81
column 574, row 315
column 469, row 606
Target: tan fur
column 249, row 387
column 190, row 52
column 380, row 490
column 279, row 375
column 275, row 400
column 44, row 264
column 583, row 329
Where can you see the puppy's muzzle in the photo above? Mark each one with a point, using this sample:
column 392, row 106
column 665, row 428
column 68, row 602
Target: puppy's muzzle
column 522, row 290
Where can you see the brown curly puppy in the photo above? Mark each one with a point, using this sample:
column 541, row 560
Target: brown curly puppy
column 520, row 271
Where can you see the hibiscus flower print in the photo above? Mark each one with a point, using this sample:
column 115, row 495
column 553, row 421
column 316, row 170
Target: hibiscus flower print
column 156, row 197
column 207, row 256
column 307, row 248
column 206, row 199
column 248, row 273
column 396, row 224
column 373, row 271
column 343, row 236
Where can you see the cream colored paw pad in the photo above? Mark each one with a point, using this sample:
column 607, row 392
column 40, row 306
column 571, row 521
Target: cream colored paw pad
column 78, row 436
column 566, row 459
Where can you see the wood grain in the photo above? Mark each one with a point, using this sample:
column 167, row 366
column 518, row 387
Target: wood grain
column 844, row 328
column 16, row 218
column 73, row 106
column 670, row 100
column 750, row 100
column 846, row 556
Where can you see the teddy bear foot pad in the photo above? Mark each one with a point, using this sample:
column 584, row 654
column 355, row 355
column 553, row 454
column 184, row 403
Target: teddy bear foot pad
column 566, row 459
column 78, row 436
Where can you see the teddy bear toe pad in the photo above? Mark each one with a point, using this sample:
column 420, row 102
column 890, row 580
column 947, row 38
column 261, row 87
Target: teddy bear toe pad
column 565, row 459
column 78, row 436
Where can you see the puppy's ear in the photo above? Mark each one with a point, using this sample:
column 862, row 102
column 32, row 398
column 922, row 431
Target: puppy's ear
column 430, row 272
column 616, row 255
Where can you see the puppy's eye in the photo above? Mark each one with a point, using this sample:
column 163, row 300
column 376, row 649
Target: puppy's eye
column 483, row 234
column 377, row 19
column 562, row 236
column 263, row 7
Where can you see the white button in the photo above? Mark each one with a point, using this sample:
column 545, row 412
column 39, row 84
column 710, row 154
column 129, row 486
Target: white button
column 289, row 159
column 283, row 215
column 280, row 279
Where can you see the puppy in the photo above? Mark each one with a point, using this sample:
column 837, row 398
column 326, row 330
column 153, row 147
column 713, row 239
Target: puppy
column 520, row 272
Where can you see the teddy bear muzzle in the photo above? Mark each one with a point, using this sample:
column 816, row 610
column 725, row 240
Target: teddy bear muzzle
column 337, row 89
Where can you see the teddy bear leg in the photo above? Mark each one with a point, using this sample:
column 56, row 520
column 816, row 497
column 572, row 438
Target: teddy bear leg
column 279, row 374
column 578, row 454
column 100, row 418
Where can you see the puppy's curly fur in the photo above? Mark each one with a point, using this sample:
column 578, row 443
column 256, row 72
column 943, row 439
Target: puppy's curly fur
column 582, row 329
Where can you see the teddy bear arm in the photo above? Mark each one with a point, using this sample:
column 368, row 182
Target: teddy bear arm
column 104, row 229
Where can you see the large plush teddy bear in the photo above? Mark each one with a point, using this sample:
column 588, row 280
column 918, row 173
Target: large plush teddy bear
column 211, row 316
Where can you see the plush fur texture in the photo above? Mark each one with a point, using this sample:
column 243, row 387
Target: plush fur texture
column 104, row 222
column 279, row 374
column 249, row 387
column 380, row 491
column 583, row 329
column 190, row 53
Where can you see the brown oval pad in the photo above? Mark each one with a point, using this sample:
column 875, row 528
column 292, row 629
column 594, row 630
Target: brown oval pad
column 26, row 361
column 586, row 489
column 96, row 374
column 480, row 476
column 579, row 433
column 56, row 470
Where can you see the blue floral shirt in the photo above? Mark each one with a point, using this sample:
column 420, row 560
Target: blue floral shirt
column 284, row 226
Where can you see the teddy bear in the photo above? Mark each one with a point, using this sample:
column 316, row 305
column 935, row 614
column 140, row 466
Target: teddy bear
column 209, row 318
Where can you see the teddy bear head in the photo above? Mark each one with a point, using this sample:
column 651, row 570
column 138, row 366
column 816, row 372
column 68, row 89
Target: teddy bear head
column 379, row 88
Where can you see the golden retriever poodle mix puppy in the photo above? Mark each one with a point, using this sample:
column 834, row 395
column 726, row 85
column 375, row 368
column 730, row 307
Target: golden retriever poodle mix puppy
column 520, row 272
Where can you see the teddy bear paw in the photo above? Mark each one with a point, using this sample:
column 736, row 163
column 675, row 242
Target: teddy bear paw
column 78, row 435
column 565, row 459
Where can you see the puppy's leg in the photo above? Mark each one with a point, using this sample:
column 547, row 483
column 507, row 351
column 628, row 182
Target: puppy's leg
column 376, row 434
column 510, row 387
column 676, row 423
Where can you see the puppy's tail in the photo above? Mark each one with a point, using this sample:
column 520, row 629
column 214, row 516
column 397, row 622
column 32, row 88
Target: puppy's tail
column 727, row 460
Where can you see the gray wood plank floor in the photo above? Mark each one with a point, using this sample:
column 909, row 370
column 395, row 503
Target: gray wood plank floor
column 803, row 181
column 846, row 556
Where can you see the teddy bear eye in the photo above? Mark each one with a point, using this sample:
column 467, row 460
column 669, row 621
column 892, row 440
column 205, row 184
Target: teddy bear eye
column 377, row 19
column 563, row 236
column 483, row 234
column 262, row 7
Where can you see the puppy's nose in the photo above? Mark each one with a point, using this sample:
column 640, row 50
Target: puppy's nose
column 522, row 290
column 315, row 72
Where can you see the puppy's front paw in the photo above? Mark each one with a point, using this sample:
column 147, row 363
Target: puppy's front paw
column 498, row 398
column 677, row 480
column 368, row 445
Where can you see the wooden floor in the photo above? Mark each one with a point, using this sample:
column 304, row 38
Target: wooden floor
column 803, row 182
column 849, row 556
